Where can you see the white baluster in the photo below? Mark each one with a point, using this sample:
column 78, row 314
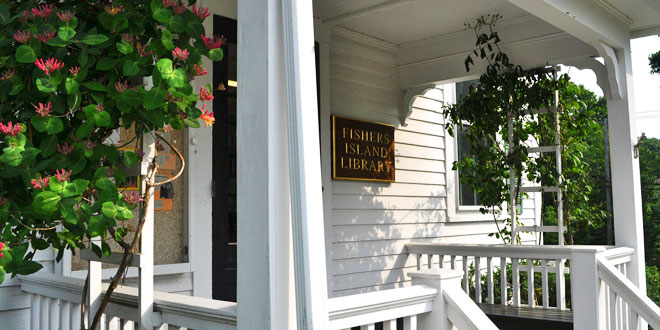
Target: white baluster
column 65, row 315
column 410, row 322
column 530, row 283
column 389, row 325
column 624, row 315
column 35, row 301
column 503, row 283
column 489, row 280
column 114, row 323
column 45, row 308
column 466, row 279
column 127, row 325
column 477, row 278
column 560, row 284
column 544, row 284
column 633, row 319
column 515, row 280
column 419, row 261
column 612, row 309
column 442, row 261
column 430, row 261
column 54, row 313
column 74, row 317
column 452, row 261
column 368, row 327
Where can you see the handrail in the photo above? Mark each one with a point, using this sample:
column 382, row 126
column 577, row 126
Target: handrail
column 192, row 312
column 628, row 291
column 464, row 313
column 368, row 308
column 618, row 255
column 501, row 250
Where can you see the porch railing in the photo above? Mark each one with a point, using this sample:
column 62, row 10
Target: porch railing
column 434, row 301
column 55, row 304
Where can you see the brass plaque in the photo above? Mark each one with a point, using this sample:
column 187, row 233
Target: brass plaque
column 362, row 150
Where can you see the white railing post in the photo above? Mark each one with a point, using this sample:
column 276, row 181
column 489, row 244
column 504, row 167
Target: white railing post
column 438, row 278
column 587, row 292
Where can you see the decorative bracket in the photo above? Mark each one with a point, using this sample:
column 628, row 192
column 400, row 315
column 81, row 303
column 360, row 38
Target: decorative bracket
column 597, row 67
column 613, row 69
column 408, row 97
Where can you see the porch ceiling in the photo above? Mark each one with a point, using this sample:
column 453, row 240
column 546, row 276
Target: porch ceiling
column 404, row 21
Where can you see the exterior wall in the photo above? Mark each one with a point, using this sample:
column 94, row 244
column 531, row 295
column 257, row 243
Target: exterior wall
column 372, row 222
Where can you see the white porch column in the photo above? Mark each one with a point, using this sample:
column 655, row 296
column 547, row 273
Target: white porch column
column 626, row 186
column 265, row 275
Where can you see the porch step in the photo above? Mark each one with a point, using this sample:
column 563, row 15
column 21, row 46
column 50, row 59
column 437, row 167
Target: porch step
column 524, row 318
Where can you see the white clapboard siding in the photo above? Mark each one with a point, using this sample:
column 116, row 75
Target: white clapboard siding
column 372, row 222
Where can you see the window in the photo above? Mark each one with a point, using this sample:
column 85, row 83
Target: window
column 466, row 195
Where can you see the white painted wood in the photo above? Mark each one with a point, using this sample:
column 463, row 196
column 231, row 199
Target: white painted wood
column 65, row 315
column 463, row 312
column 265, row 264
column 430, row 261
column 586, row 292
column 410, row 322
column 44, row 308
column 477, row 278
column 515, row 282
column 530, row 282
column 94, row 287
column 146, row 270
column 54, row 313
column 560, row 284
column 466, row 278
column 503, row 283
column 489, row 280
column 35, row 301
column 544, row 284
column 389, row 325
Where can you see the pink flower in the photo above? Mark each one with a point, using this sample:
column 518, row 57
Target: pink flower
column 179, row 8
column 66, row 16
column 169, row 3
column 222, row 87
column 64, row 149
column 3, row 201
column 131, row 39
column 43, row 11
column 27, row 14
column 44, row 110
column 159, row 146
column 201, row 12
column 109, row 171
column 180, row 54
column 74, row 70
column 8, row 74
column 132, row 198
column 2, row 245
column 99, row 107
column 141, row 50
column 214, row 42
column 89, row 145
column 21, row 36
column 63, row 176
column 45, row 36
column 112, row 10
column 11, row 129
column 207, row 117
column 199, row 70
column 49, row 66
column 121, row 86
column 40, row 183
column 205, row 94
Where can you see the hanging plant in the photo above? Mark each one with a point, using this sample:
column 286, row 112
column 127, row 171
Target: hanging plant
column 71, row 74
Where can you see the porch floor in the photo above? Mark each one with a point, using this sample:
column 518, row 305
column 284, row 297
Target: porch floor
column 514, row 318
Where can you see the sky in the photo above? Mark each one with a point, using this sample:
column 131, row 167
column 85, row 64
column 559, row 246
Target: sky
column 645, row 84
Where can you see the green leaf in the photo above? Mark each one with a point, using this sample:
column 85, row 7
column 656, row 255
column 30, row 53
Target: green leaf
column 132, row 98
column 85, row 129
column 50, row 125
column 2, row 273
column 167, row 39
column 162, row 15
column 48, row 146
column 96, row 226
column 56, row 186
column 164, row 66
column 5, row 18
column 94, row 39
column 65, row 33
column 11, row 158
column 45, row 85
column 109, row 209
column 177, row 78
column 130, row 158
column 69, row 214
column 194, row 123
column 154, row 98
column 177, row 24
column 71, row 85
column 216, row 54
column 25, row 54
column 39, row 244
column 75, row 188
column 123, row 213
column 103, row 119
column 95, row 248
column 95, row 86
column 105, row 247
column 124, row 47
column 106, row 63
column 28, row 267
column 5, row 260
column 131, row 68
column 29, row 155
column 120, row 233
column 58, row 42
column 46, row 202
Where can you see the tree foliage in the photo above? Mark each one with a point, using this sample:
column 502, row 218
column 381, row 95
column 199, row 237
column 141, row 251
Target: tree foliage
column 500, row 129
column 73, row 72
